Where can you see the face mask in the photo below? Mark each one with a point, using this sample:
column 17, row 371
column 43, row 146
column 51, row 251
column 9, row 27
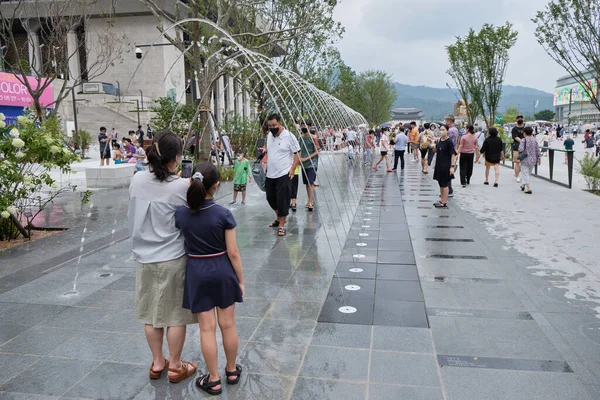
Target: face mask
column 520, row 122
column 239, row 158
column 312, row 131
column 304, row 130
column 274, row 131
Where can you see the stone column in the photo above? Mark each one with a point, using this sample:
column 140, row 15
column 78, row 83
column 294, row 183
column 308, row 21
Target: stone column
column 35, row 53
column 247, row 112
column 230, row 97
column 220, row 100
column 239, row 101
column 73, row 54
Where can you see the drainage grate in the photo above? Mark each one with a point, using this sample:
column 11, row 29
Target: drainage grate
column 449, row 240
column 453, row 257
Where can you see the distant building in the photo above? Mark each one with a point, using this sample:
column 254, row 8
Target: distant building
column 570, row 95
column 407, row 115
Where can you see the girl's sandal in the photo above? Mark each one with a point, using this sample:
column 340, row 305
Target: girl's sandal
column 310, row 207
column 439, row 204
column 274, row 224
column 203, row 384
column 237, row 373
column 281, row 232
column 158, row 374
column 187, row 369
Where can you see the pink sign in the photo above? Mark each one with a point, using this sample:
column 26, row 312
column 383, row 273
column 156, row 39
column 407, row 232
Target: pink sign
column 14, row 93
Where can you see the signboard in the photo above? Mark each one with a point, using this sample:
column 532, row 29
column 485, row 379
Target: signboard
column 92, row 88
column 579, row 94
column 14, row 94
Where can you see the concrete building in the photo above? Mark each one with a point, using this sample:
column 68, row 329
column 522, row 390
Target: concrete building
column 571, row 102
column 160, row 72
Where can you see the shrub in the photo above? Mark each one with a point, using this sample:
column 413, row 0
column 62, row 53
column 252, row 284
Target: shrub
column 29, row 150
column 226, row 173
column 81, row 141
column 590, row 169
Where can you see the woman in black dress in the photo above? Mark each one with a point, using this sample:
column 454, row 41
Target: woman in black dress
column 493, row 151
column 213, row 277
column 444, row 166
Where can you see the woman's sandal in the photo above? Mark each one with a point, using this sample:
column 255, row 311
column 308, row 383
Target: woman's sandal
column 293, row 208
column 204, row 384
column 274, row 224
column 158, row 374
column 486, row 183
column 184, row 372
column 281, row 232
column 522, row 188
column 237, row 373
column 310, row 207
column 439, row 204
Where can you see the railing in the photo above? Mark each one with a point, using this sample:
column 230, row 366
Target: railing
column 551, row 170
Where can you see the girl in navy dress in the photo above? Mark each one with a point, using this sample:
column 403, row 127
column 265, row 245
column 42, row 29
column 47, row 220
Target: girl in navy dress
column 213, row 278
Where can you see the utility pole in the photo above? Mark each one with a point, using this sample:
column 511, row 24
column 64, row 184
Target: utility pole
column 138, row 110
column 570, row 102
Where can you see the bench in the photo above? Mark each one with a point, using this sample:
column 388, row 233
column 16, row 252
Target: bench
column 109, row 176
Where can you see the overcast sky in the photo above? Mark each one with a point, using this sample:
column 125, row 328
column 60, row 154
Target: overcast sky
column 407, row 38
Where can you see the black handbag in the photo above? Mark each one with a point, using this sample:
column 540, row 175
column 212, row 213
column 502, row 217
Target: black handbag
column 523, row 154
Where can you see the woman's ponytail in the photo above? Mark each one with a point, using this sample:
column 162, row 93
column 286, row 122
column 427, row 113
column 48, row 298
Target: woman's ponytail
column 164, row 149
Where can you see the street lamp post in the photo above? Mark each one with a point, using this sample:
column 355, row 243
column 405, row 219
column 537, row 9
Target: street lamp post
column 119, row 91
column 138, row 110
column 142, row 98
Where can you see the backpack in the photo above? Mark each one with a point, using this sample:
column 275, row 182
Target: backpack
column 424, row 142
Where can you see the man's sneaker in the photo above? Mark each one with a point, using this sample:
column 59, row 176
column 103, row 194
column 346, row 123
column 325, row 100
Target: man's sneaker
column 243, row 203
column 233, row 203
column 451, row 194
column 518, row 179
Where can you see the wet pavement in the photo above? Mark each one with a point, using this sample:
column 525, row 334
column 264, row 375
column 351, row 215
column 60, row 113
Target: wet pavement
column 375, row 295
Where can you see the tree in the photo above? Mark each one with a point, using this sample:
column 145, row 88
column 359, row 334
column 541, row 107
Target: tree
column 28, row 151
column 302, row 26
column 464, row 75
column 478, row 66
column 545, row 115
column 377, row 96
column 569, row 31
column 54, row 36
column 510, row 115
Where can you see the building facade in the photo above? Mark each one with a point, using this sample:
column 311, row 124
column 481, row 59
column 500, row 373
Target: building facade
column 572, row 103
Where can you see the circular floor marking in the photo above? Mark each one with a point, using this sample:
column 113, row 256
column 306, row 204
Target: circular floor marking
column 361, row 244
column 366, row 226
column 359, row 256
column 368, row 213
column 356, row 270
column 352, row 288
column 363, row 234
column 347, row 310
column 367, row 219
column 369, row 208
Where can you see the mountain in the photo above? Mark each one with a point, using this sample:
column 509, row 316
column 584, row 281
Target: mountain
column 437, row 102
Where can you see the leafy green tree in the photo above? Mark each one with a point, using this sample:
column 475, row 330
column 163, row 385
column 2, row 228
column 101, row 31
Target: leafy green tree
column 29, row 150
column 377, row 96
column 545, row 115
column 478, row 66
column 510, row 115
column 569, row 31
column 173, row 116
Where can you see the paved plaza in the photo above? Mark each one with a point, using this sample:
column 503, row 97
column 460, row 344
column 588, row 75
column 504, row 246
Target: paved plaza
column 375, row 295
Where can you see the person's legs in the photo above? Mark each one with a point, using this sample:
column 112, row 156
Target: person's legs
column 462, row 163
column 378, row 162
column 271, row 193
column 175, row 341
column 450, row 190
column 208, row 344
column 443, row 195
column 154, row 337
column 294, row 189
column 402, row 159
column 283, row 192
column 517, row 164
column 235, row 196
column 244, row 196
column 396, row 156
column 387, row 162
column 487, row 173
column 226, row 318
column 470, row 161
column 496, row 172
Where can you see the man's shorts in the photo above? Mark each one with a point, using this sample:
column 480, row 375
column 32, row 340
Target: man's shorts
column 309, row 176
column 239, row 187
column 516, row 156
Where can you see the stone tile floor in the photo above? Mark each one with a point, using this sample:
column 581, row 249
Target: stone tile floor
column 435, row 307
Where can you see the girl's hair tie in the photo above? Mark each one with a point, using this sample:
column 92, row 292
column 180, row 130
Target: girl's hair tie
column 198, row 175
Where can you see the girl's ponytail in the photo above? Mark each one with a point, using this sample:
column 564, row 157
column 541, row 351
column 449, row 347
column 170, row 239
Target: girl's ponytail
column 205, row 176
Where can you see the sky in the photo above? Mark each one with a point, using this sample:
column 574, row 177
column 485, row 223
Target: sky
column 407, row 38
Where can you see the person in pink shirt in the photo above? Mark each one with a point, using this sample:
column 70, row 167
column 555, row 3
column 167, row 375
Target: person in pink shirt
column 467, row 148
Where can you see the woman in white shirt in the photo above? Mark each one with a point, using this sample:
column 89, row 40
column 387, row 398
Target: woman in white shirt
column 384, row 144
column 157, row 247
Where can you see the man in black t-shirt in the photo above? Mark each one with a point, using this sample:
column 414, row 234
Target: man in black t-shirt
column 140, row 136
column 517, row 136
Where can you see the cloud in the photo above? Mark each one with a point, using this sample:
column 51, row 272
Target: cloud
column 407, row 38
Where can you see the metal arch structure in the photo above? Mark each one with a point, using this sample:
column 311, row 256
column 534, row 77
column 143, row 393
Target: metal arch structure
column 288, row 93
